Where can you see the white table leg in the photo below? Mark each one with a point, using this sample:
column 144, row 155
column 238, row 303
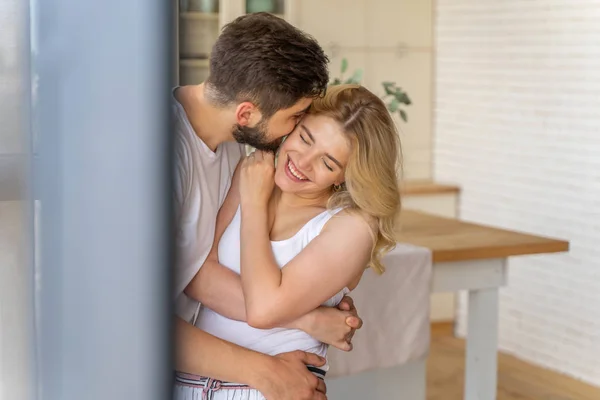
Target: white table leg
column 482, row 345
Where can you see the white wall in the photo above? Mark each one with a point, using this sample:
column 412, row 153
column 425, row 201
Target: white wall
column 517, row 126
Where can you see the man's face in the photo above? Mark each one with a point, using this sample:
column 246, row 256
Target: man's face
column 267, row 134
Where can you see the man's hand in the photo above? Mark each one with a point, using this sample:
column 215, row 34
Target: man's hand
column 334, row 326
column 353, row 321
column 289, row 379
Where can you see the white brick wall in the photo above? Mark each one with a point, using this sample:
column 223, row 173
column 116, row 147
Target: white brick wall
column 517, row 125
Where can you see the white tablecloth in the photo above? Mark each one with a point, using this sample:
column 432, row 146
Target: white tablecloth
column 395, row 310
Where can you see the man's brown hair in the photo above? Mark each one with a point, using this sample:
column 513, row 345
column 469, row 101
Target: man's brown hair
column 263, row 59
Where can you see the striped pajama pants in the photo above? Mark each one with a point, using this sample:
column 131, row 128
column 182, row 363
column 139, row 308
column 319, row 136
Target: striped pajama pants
column 193, row 387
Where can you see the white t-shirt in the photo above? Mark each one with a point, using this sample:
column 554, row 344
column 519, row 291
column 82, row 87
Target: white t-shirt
column 202, row 179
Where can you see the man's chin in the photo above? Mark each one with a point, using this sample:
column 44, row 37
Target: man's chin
column 253, row 138
column 265, row 146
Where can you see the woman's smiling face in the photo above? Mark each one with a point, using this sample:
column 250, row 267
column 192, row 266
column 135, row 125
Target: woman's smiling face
column 313, row 158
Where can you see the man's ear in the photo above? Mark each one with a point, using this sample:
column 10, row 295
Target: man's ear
column 247, row 114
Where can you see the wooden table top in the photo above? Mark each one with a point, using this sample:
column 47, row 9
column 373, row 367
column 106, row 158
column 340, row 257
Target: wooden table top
column 456, row 240
column 427, row 188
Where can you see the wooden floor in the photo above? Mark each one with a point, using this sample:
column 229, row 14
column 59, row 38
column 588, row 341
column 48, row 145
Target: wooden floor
column 517, row 380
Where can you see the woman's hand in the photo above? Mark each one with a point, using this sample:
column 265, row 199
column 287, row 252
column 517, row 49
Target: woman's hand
column 257, row 179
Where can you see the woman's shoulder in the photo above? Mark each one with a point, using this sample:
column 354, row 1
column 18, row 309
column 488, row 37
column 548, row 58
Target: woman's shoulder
column 346, row 218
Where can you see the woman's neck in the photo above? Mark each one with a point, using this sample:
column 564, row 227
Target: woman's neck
column 293, row 200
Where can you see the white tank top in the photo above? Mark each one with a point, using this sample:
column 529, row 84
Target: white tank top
column 268, row 341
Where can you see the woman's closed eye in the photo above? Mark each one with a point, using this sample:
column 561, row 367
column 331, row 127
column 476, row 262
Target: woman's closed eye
column 329, row 167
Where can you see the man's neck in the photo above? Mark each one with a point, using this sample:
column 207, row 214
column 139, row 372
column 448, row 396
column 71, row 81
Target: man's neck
column 211, row 124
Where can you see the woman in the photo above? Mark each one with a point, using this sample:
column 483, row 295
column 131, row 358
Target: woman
column 301, row 234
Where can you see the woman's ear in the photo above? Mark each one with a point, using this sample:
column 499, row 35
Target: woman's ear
column 247, row 114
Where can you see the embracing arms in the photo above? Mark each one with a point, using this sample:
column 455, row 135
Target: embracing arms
column 220, row 289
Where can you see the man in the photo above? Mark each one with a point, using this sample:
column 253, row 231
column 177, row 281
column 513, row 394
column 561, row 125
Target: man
column 264, row 75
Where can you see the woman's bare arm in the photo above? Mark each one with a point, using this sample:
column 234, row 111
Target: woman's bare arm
column 329, row 263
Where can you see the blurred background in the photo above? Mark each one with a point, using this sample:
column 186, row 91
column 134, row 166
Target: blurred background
column 497, row 107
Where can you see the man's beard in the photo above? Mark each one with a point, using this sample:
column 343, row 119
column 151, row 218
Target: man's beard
column 255, row 137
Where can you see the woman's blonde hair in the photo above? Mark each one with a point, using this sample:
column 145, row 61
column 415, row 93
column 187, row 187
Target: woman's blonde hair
column 372, row 175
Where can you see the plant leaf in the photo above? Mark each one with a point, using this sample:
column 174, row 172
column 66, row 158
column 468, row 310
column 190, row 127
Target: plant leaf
column 402, row 96
column 388, row 87
column 403, row 115
column 393, row 106
column 336, row 81
column 344, row 65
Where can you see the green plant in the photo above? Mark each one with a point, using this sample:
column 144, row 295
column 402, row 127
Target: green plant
column 395, row 97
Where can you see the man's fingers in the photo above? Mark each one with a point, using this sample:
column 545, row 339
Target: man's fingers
column 342, row 345
column 360, row 323
column 312, row 359
column 321, row 386
column 350, row 335
column 353, row 322
column 320, row 396
column 346, row 304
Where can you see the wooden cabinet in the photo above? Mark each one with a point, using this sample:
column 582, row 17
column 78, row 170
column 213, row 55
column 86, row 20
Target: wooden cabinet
column 198, row 32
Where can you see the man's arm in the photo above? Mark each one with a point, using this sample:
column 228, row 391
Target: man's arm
column 194, row 351
column 284, row 377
